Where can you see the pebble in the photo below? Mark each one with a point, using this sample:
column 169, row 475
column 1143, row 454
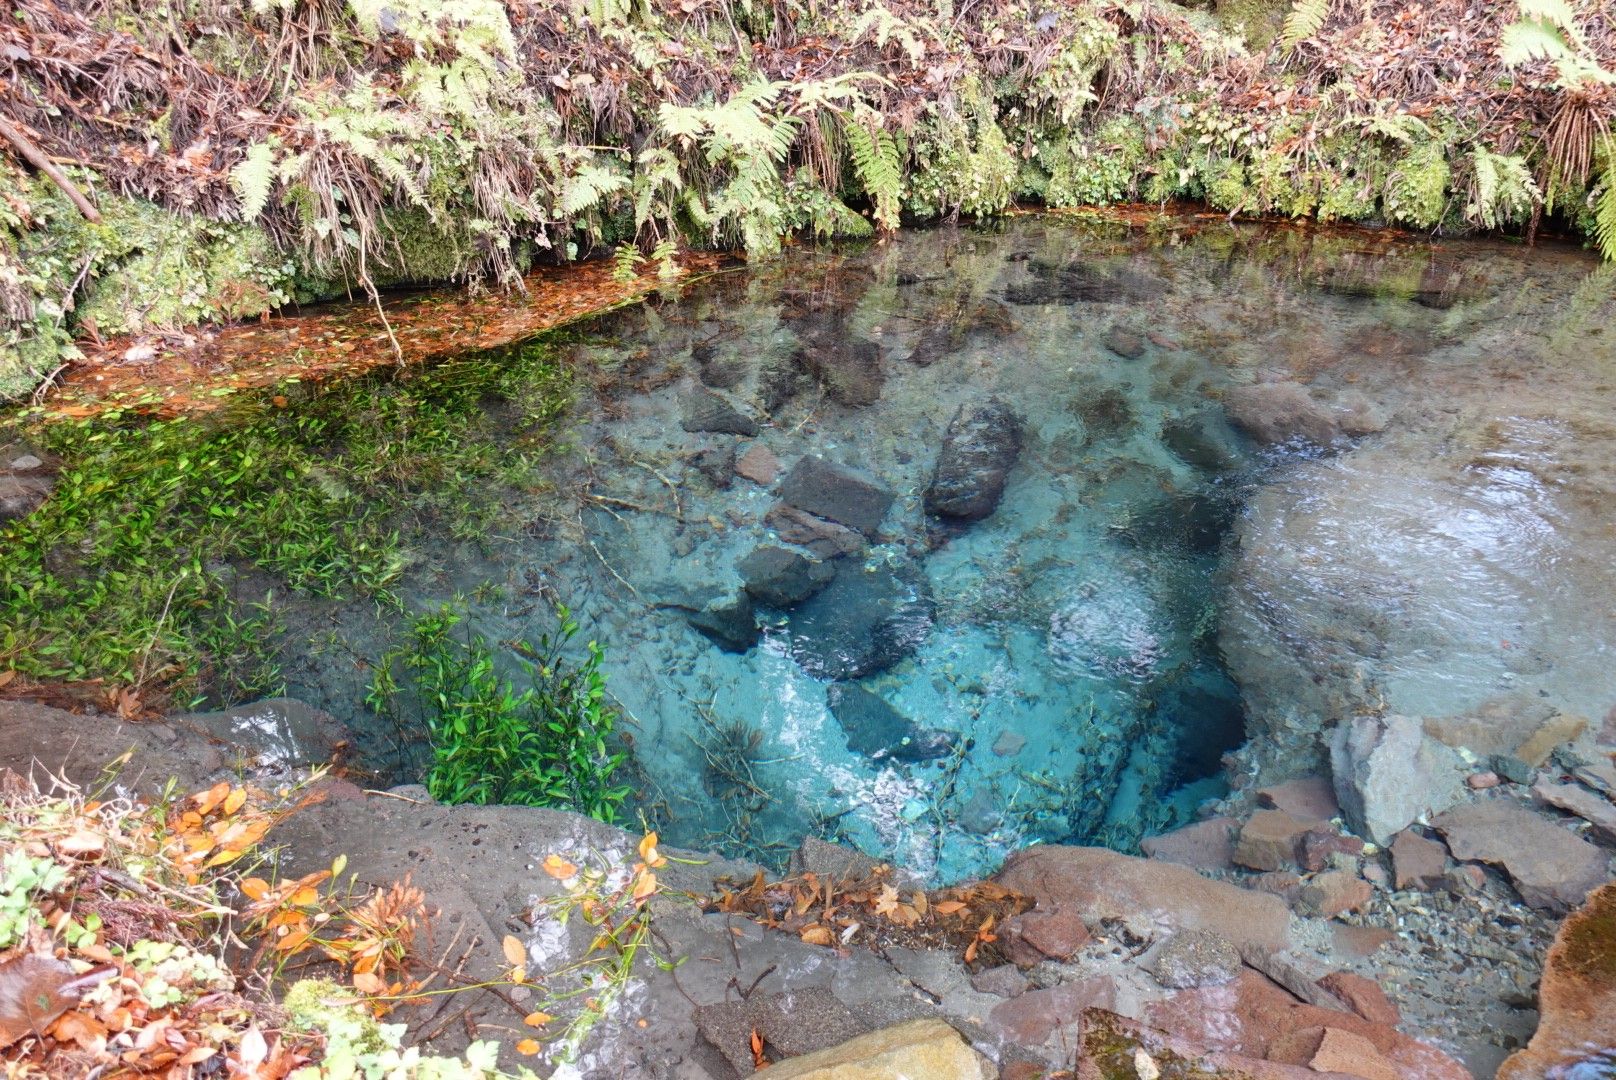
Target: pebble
column 26, row 463
column 1482, row 780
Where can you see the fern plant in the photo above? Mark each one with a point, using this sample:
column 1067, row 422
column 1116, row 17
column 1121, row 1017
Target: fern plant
column 1305, row 19
column 877, row 165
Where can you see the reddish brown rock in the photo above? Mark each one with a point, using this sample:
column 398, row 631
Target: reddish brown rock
column 1205, row 845
column 758, row 465
column 1268, row 841
column 1056, row 934
column 1552, row 869
column 1318, row 844
column 1310, row 799
column 1333, row 893
column 1577, row 997
column 1481, row 781
column 1033, row 1017
column 1251, row 1015
column 1282, row 883
column 1363, row 996
column 1596, row 810
column 1332, row 1050
column 1417, row 863
column 1157, row 896
column 1359, row 942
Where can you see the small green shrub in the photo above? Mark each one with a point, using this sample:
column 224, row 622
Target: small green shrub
column 493, row 741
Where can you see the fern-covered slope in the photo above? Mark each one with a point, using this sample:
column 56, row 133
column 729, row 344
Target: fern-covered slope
column 243, row 155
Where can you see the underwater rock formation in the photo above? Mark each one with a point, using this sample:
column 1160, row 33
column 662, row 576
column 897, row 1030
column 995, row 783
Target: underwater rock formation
column 877, row 730
column 981, row 446
column 863, row 621
column 781, row 577
column 836, row 492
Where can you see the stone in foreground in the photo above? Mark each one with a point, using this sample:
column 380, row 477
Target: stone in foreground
column 1577, row 998
column 919, row 1048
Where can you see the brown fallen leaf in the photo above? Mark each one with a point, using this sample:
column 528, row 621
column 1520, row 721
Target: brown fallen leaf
column 36, row 989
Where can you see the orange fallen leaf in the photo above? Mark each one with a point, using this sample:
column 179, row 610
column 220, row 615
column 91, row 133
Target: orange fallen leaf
column 515, row 952
column 235, row 800
column 528, row 1047
column 559, row 868
column 818, row 935
column 537, row 1019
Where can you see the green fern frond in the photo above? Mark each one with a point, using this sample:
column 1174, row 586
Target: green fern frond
column 626, row 260
column 1305, row 19
column 1605, row 204
column 251, row 179
column 879, row 169
column 1529, row 40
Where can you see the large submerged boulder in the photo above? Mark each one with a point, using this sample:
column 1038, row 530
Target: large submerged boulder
column 781, row 577
column 704, row 411
column 864, row 621
column 981, row 446
column 874, row 728
column 843, row 495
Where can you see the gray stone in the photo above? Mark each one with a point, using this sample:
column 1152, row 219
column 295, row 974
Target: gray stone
column 835, row 492
column 790, row 1023
column 727, row 622
column 1009, row 743
column 1388, row 774
column 849, row 368
column 26, row 463
column 704, row 411
column 981, row 446
column 20, row 495
column 1551, row 868
column 877, row 730
column 717, row 464
column 863, row 622
column 1511, row 768
column 720, row 370
column 1193, row 958
column 275, row 735
column 781, row 577
column 1004, row 981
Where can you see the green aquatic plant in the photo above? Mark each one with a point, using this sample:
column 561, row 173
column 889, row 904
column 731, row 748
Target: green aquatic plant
column 155, row 561
column 540, row 740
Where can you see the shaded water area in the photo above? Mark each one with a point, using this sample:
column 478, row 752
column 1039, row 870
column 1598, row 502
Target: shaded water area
column 980, row 538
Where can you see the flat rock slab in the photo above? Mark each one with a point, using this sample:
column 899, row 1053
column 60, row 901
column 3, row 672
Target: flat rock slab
column 863, row 622
column 1418, row 863
column 705, row 411
column 1552, row 869
column 878, row 731
column 837, row 493
column 981, row 446
column 1576, row 799
column 781, row 577
column 1156, row 896
column 910, row 1051
column 790, row 1023
column 1308, row 798
column 1205, row 845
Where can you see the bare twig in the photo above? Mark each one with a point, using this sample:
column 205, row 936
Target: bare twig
column 41, row 161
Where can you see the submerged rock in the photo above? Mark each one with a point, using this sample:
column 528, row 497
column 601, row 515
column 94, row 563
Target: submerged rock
column 717, row 464
column 981, row 446
column 836, row 492
column 824, row 538
column 1126, row 343
column 1204, row 440
column 880, row 732
column 1077, row 282
column 781, row 577
column 719, row 370
column 1195, row 958
column 1552, row 868
column 1279, row 412
column 864, row 621
column 727, row 622
column 758, row 464
column 705, row 411
column 1388, row 773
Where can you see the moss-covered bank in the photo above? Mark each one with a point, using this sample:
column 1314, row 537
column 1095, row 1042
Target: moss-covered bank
column 243, row 157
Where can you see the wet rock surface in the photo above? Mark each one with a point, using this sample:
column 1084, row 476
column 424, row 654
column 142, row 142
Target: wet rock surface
column 781, row 577
column 1577, row 1036
column 1553, row 868
column 981, row 446
column 879, row 731
column 862, row 622
column 837, row 493
column 704, row 411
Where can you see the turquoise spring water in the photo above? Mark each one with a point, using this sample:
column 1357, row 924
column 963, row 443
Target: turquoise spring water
column 1154, row 583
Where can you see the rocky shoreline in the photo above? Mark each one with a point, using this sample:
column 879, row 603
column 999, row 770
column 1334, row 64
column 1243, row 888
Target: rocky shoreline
column 1271, row 940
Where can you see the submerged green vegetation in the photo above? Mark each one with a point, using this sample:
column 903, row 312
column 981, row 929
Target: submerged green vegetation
column 243, row 156
column 540, row 742
column 153, row 563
